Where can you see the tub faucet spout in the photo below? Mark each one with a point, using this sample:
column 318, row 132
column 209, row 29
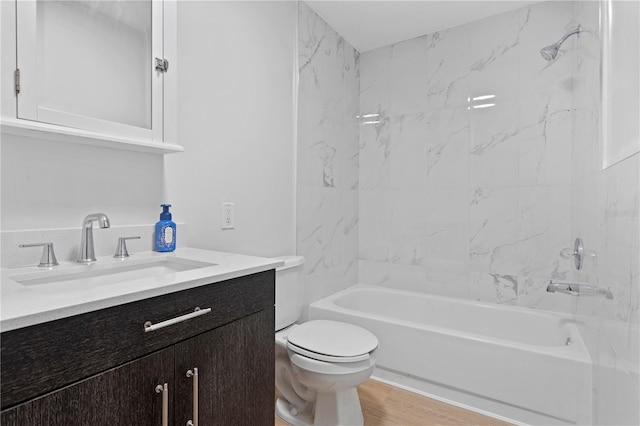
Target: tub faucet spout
column 578, row 289
column 87, row 251
column 552, row 287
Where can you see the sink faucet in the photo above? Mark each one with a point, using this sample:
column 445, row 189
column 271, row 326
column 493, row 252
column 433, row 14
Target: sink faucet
column 87, row 253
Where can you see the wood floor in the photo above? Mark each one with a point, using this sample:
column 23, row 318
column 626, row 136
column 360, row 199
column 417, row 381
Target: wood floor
column 386, row 405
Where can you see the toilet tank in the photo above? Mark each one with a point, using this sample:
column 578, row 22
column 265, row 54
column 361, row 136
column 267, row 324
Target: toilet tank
column 289, row 291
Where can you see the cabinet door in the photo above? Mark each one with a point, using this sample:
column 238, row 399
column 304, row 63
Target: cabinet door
column 91, row 65
column 235, row 373
column 125, row 395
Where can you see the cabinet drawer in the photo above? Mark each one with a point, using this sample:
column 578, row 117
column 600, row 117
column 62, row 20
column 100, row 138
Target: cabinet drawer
column 44, row 357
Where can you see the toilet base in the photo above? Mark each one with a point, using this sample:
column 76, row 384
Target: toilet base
column 285, row 411
column 338, row 408
column 331, row 409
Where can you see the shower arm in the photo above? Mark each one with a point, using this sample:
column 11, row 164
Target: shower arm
column 567, row 35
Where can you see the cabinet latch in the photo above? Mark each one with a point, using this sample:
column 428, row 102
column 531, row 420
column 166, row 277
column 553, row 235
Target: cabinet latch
column 17, row 80
column 162, row 65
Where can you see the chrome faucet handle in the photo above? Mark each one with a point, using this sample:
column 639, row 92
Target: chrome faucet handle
column 578, row 253
column 48, row 258
column 121, row 250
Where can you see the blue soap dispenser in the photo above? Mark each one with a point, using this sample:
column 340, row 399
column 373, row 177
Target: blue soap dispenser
column 165, row 238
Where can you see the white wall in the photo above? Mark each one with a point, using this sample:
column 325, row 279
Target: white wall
column 235, row 115
column 55, row 185
column 235, row 66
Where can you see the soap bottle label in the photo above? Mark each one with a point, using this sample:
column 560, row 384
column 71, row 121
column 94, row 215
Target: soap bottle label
column 168, row 235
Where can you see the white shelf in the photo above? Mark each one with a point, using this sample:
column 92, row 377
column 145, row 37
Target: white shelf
column 36, row 130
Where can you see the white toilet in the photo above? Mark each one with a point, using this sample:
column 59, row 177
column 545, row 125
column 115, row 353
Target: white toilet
column 318, row 363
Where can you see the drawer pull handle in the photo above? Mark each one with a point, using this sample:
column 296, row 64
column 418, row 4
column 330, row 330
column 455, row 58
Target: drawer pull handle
column 165, row 402
column 149, row 326
column 194, row 373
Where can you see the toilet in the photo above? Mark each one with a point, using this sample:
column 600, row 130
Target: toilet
column 319, row 363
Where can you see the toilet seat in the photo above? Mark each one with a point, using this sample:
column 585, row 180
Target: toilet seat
column 332, row 341
column 326, row 358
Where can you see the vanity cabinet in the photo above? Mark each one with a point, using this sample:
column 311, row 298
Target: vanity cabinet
column 123, row 395
column 236, row 386
column 102, row 368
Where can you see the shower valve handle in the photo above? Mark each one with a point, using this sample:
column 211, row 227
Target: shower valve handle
column 578, row 253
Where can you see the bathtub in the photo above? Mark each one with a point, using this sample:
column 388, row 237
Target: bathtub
column 514, row 363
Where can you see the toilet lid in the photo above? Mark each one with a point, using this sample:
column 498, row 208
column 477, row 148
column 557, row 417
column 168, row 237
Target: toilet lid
column 332, row 339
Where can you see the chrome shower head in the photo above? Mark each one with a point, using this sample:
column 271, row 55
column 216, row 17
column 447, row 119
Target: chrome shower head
column 550, row 52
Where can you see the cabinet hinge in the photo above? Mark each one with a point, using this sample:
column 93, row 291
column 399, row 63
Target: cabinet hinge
column 17, row 80
column 162, row 65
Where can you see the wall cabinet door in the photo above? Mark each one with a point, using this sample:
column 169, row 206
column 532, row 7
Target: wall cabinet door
column 91, row 65
column 235, row 373
column 123, row 395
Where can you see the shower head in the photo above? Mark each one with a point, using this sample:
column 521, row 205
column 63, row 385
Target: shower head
column 550, row 52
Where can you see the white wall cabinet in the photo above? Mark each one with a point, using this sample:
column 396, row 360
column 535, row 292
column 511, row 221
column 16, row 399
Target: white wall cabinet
column 89, row 70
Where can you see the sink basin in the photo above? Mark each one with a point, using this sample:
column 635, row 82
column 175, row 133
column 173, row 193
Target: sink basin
column 98, row 275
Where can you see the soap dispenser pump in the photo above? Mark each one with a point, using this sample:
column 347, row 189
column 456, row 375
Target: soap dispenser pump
column 165, row 237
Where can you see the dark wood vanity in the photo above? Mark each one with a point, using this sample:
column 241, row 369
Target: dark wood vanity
column 105, row 368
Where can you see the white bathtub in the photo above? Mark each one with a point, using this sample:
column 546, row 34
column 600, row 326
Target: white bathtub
column 511, row 362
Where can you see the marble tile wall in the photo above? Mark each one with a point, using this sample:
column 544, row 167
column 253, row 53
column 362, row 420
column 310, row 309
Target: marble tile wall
column 478, row 202
column 327, row 157
column 606, row 215
column 463, row 201
column 441, row 197
column 606, row 201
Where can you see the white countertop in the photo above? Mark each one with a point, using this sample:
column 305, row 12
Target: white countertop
column 26, row 305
